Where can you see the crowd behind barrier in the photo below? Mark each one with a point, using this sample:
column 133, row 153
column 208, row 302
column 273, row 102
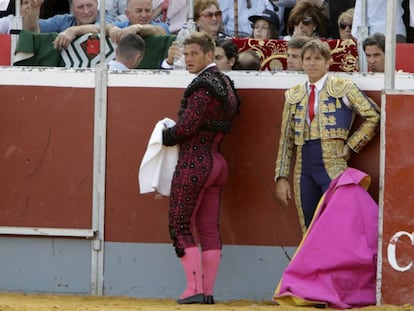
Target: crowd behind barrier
column 36, row 49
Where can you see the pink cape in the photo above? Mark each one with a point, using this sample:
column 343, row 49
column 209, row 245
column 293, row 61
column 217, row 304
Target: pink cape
column 335, row 263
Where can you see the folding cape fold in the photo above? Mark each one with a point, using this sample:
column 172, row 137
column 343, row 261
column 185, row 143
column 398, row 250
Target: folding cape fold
column 335, row 263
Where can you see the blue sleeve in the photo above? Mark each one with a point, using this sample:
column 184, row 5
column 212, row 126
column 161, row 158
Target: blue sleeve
column 122, row 24
column 163, row 25
column 57, row 23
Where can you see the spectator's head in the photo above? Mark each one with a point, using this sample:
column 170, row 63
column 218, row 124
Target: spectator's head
column 306, row 19
column 316, row 59
column 374, row 48
column 130, row 50
column 248, row 60
column 266, row 25
column 345, row 24
column 198, row 51
column 294, row 52
column 139, row 11
column 225, row 54
column 207, row 16
column 85, row 11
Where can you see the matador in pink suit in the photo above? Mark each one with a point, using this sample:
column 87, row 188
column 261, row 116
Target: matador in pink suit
column 207, row 110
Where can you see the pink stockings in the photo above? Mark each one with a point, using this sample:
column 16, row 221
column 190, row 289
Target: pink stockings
column 200, row 270
column 211, row 261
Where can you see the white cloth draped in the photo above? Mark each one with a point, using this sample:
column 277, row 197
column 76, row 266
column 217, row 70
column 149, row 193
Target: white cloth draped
column 159, row 161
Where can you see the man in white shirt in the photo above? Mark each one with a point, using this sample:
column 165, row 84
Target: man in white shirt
column 246, row 8
column 377, row 18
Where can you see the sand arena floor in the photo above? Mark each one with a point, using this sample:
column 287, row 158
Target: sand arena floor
column 25, row 302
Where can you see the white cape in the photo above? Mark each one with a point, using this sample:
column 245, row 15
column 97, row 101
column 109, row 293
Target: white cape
column 159, row 161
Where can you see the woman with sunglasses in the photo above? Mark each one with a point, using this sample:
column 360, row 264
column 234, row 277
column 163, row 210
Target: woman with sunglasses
column 306, row 19
column 207, row 16
column 345, row 24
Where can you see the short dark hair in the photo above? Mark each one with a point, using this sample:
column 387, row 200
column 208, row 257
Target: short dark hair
column 317, row 45
column 130, row 45
column 377, row 39
column 229, row 47
column 203, row 39
column 297, row 42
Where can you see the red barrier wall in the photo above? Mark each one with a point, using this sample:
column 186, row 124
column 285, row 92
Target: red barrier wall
column 398, row 229
column 5, row 50
column 47, row 142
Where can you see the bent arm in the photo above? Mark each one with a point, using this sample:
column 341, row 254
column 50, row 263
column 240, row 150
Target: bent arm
column 370, row 112
column 31, row 20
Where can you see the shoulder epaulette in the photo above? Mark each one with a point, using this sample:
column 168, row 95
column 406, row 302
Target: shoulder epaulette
column 296, row 93
column 338, row 87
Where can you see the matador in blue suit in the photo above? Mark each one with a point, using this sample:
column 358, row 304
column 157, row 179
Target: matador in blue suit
column 316, row 124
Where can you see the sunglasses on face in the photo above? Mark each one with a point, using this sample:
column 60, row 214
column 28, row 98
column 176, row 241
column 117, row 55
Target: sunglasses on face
column 216, row 14
column 344, row 25
column 306, row 21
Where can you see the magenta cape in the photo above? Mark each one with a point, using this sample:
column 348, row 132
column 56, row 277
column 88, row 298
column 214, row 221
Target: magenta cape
column 335, row 263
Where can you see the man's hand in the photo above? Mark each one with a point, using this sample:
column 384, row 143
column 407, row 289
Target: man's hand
column 346, row 153
column 35, row 3
column 31, row 20
column 116, row 33
column 65, row 38
column 283, row 193
column 173, row 53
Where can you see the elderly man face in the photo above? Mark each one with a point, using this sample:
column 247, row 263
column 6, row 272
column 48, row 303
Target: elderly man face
column 139, row 11
column 85, row 11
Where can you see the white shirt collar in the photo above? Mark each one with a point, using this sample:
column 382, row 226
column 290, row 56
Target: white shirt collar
column 319, row 84
column 208, row 66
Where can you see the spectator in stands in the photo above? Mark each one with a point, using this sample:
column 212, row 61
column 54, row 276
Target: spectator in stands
column 207, row 16
column 377, row 18
column 6, row 22
column 335, row 9
column 225, row 54
column 83, row 19
column 345, row 24
column 294, row 51
column 139, row 15
column 241, row 26
column 248, row 60
column 128, row 53
column 374, row 48
column 285, row 6
column 265, row 25
column 306, row 19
